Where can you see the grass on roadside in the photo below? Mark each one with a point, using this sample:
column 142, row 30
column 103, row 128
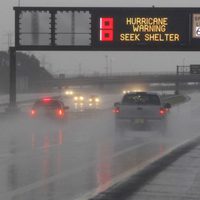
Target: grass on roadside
column 174, row 100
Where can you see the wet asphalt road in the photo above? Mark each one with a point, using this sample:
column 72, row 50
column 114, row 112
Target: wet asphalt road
column 46, row 160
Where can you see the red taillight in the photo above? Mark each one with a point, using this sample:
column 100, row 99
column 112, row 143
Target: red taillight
column 162, row 111
column 60, row 113
column 46, row 100
column 33, row 112
column 116, row 110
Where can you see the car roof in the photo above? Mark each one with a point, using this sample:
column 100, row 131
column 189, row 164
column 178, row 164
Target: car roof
column 150, row 93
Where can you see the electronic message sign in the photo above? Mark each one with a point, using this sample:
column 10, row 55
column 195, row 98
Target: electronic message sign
column 194, row 69
column 115, row 29
column 196, row 26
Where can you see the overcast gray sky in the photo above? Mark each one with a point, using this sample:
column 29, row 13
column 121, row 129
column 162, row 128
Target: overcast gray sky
column 96, row 61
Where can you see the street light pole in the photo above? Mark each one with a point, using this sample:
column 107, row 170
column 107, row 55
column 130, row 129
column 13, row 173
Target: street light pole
column 111, row 66
column 18, row 3
column 80, row 69
column 177, row 80
column 106, row 56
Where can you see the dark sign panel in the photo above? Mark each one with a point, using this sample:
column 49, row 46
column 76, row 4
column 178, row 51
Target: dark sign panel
column 144, row 28
column 194, row 69
column 116, row 29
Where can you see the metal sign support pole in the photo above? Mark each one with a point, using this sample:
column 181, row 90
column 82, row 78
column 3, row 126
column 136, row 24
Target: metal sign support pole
column 12, row 91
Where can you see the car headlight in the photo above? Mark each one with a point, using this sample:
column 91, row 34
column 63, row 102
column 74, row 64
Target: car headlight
column 67, row 93
column 75, row 98
column 97, row 100
column 81, row 98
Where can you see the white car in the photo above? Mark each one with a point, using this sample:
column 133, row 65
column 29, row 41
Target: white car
column 139, row 108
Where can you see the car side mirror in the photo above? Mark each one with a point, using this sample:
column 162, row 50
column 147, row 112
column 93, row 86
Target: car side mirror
column 167, row 105
column 116, row 104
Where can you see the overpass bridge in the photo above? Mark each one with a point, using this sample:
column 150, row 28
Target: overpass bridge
column 103, row 79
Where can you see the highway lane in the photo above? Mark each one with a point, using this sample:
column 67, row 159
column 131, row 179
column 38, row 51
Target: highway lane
column 84, row 156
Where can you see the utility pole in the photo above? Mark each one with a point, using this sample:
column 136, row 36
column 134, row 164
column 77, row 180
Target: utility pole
column 111, row 66
column 106, row 56
column 177, row 80
column 80, row 69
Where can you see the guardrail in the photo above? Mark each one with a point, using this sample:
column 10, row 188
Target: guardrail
column 31, row 99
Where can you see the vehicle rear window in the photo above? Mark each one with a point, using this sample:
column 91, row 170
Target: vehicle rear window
column 141, row 99
column 47, row 105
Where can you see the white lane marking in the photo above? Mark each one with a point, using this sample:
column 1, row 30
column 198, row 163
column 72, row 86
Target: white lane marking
column 51, row 179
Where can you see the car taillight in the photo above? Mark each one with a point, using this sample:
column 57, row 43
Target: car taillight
column 162, row 111
column 60, row 112
column 33, row 112
column 46, row 100
column 116, row 110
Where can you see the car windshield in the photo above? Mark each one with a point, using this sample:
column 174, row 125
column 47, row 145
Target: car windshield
column 141, row 99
